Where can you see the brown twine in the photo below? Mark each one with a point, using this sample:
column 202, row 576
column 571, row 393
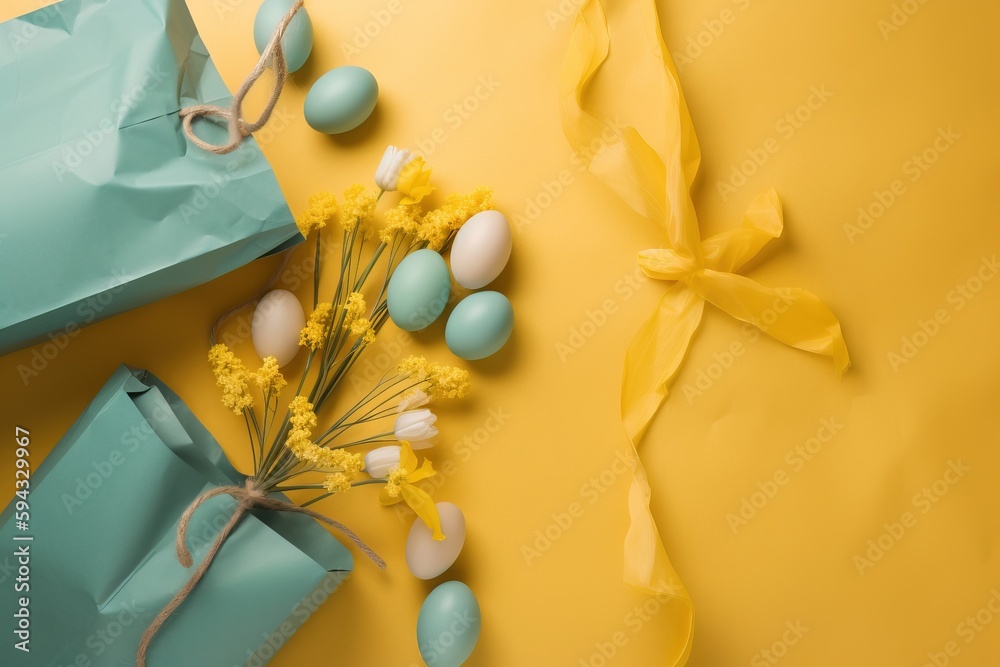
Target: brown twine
column 249, row 497
column 239, row 128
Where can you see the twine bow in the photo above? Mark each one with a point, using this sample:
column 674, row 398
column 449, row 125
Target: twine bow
column 656, row 183
column 248, row 497
column 239, row 128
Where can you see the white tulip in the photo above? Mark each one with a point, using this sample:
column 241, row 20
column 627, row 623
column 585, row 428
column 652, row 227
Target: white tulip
column 378, row 462
column 393, row 161
column 415, row 426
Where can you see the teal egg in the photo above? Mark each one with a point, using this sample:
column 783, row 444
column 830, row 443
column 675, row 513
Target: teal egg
column 418, row 290
column 448, row 625
column 297, row 41
column 341, row 99
column 480, row 325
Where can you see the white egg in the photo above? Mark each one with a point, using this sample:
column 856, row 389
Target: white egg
column 428, row 558
column 277, row 321
column 379, row 461
column 481, row 249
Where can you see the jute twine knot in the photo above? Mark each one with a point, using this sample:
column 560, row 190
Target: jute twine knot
column 248, row 497
column 239, row 128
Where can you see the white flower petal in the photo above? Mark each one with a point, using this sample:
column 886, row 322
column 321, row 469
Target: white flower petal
column 378, row 462
column 393, row 161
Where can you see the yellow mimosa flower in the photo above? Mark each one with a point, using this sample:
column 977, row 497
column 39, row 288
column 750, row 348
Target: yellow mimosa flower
column 321, row 210
column 359, row 206
column 232, row 376
column 313, row 335
column 269, row 378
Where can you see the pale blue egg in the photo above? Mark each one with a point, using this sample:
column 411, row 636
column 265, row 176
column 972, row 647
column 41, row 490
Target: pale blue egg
column 341, row 99
column 449, row 624
column 418, row 290
column 297, row 41
column 480, row 325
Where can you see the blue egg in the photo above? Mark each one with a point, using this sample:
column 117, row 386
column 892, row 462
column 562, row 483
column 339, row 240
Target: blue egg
column 480, row 325
column 341, row 99
column 418, row 290
column 297, row 41
column 448, row 625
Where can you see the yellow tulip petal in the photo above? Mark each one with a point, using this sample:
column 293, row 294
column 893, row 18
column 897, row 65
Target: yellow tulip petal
column 423, row 472
column 407, row 459
column 424, row 506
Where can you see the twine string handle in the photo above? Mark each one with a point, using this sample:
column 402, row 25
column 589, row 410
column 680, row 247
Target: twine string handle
column 248, row 497
column 272, row 54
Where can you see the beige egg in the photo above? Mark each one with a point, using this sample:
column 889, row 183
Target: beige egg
column 428, row 558
column 277, row 322
column 481, row 249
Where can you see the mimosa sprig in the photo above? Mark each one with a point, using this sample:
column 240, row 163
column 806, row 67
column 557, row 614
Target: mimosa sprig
column 336, row 335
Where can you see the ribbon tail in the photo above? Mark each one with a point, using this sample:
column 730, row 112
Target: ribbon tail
column 648, row 568
column 789, row 314
column 652, row 362
column 655, row 354
column 619, row 156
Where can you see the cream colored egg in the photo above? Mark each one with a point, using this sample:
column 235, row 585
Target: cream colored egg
column 277, row 321
column 481, row 249
column 428, row 558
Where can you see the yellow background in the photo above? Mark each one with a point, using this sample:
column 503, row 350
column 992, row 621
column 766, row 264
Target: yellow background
column 574, row 258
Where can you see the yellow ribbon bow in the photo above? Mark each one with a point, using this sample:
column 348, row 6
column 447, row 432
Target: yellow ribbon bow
column 657, row 185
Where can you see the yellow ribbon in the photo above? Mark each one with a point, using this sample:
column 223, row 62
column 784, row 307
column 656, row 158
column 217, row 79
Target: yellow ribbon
column 656, row 184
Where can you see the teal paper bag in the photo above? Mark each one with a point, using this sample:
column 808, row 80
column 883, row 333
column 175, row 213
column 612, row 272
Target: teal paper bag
column 102, row 563
column 105, row 204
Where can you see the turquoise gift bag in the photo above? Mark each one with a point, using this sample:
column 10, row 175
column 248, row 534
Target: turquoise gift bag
column 95, row 560
column 104, row 204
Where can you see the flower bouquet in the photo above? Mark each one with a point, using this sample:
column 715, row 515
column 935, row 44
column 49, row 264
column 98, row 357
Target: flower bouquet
column 191, row 534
